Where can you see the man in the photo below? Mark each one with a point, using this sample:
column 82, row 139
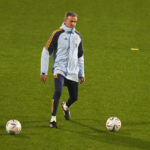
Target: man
column 68, row 64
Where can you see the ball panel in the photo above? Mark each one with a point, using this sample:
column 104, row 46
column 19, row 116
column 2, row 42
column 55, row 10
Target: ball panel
column 13, row 127
column 113, row 124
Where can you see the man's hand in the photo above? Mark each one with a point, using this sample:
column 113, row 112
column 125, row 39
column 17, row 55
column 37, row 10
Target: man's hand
column 82, row 80
column 43, row 78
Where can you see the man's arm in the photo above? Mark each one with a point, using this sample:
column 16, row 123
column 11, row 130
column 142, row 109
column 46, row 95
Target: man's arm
column 50, row 46
column 81, row 69
column 81, row 63
column 44, row 64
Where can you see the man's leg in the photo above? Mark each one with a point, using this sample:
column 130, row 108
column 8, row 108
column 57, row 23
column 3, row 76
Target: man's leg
column 73, row 96
column 58, row 82
column 73, row 92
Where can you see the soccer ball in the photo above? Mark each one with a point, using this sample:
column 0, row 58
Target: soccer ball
column 113, row 124
column 13, row 127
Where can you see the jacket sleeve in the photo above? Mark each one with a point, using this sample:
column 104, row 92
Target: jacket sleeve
column 50, row 46
column 81, row 67
column 47, row 50
column 81, row 60
column 44, row 61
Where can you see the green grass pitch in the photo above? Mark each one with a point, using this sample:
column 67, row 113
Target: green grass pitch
column 117, row 78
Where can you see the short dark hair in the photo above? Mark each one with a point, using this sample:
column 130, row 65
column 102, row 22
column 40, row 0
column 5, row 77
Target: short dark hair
column 70, row 13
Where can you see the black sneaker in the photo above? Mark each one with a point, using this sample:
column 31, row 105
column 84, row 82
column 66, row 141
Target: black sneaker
column 66, row 112
column 53, row 125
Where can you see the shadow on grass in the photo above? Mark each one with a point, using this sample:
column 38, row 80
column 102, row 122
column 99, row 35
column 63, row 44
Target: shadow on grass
column 25, row 125
column 136, row 123
column 4, row 133
column 35, row 124
column 23, row 136
column 114, row 138
column 2, row 127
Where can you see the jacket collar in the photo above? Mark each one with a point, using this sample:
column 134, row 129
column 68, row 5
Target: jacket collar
column 69, row 30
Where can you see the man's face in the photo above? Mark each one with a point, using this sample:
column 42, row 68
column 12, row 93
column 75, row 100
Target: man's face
column 71, row 22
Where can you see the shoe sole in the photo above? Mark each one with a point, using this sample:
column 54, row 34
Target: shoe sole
column 52, row 126
column 65, row 113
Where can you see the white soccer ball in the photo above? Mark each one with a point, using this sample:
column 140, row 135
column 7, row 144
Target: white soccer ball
column 113, row 124
column 13, row 127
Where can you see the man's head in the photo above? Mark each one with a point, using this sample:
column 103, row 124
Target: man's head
column 70, row 19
